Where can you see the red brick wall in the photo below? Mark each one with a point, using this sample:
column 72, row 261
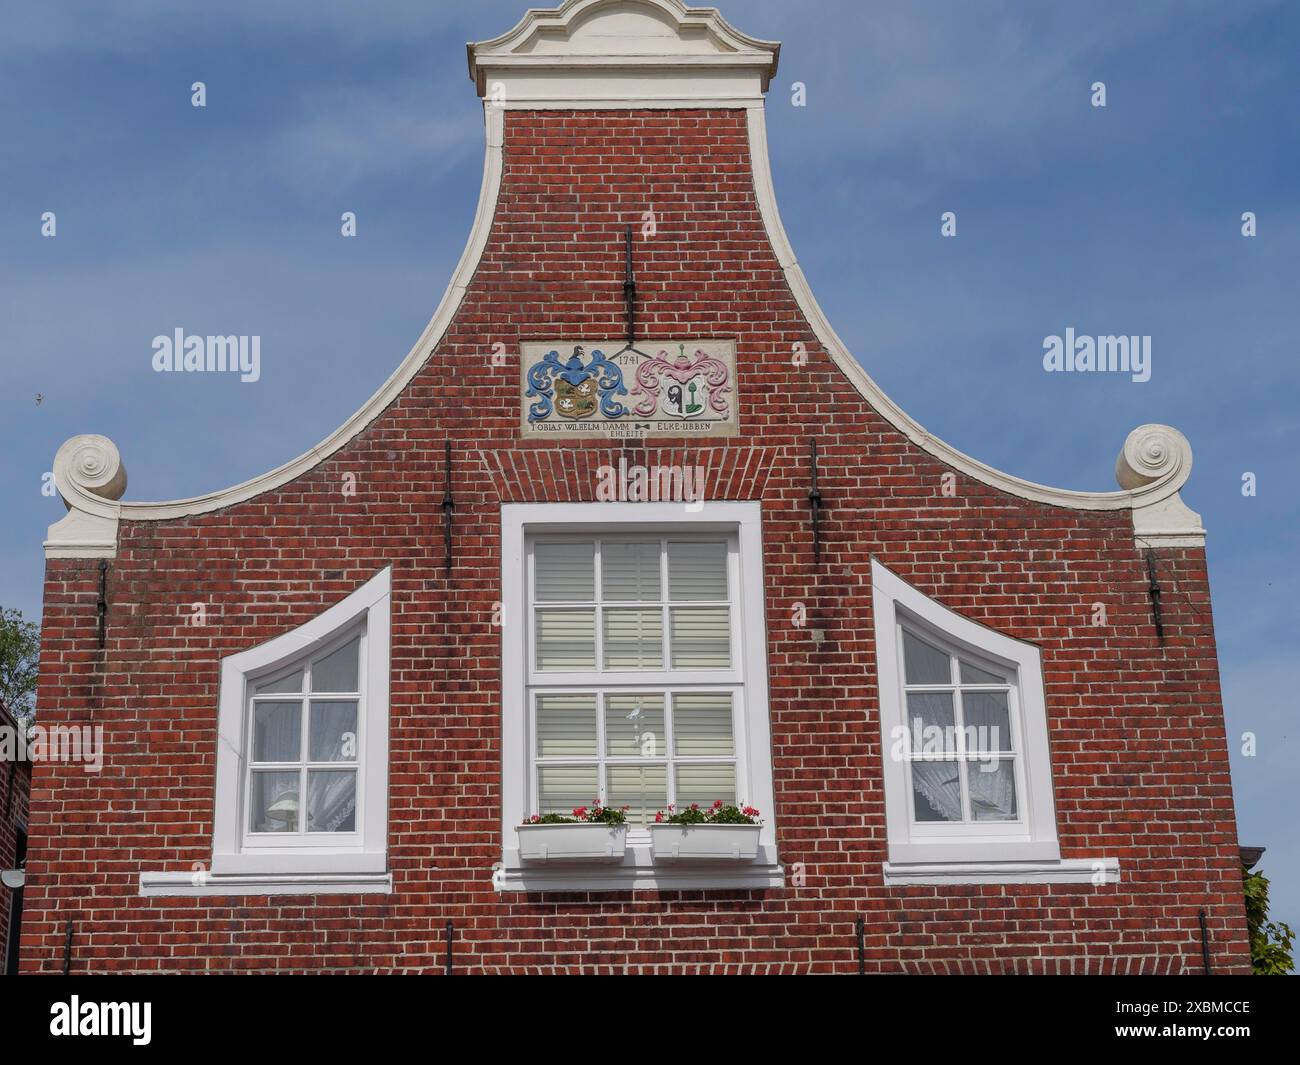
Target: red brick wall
column 1138, row 745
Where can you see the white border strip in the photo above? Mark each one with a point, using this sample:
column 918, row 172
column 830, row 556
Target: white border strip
column 1095, row 871
column 194, row 885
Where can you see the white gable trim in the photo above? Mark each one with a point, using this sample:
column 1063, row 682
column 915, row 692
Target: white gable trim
column 1154, row 464
column 589, row 54
column 93, row 534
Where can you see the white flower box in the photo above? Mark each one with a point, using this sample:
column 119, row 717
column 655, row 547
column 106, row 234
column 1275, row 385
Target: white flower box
column 734, row 843
column 570, row 843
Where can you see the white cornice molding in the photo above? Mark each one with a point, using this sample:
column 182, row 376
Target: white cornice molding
column 90, row 529
column 622, row 53
column 1153, row 466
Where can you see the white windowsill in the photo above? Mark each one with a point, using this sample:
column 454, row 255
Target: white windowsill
column 191, row 885
column 638, row 872
column 1096, row 871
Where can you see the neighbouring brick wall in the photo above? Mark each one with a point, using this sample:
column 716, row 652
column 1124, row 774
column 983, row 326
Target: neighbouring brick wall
column 15, row 780
column 1136, row 727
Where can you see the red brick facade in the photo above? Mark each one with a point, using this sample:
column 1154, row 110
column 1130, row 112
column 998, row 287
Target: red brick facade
column 1138, row 751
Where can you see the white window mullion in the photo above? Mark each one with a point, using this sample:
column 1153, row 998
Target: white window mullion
column 598, row 608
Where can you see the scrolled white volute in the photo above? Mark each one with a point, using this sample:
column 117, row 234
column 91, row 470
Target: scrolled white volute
column 92, row 463
column 1153, row 453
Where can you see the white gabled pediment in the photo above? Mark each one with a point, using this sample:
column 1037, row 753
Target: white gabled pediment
column 625, row 28
column 619, row 51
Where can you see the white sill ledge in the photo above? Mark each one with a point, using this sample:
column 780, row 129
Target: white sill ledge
column 638, row 872
column 192, row 885
column 1094, row 871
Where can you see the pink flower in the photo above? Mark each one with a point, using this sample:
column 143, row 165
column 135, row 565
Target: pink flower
column 659, row 817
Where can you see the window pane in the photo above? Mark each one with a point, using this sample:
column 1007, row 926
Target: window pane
column 332, row 731
column 987, row 719
column 697, row 570
column 332, row 800
column 936, row 791
column 277, row 735
column 629, row 572
column 565, row 573
column 992, row 789
column 337, row 671
column 566, row 726
column 634, row 639
column 290, row 683
column 634, row 726
column 702, row 724
column 566, row 639
column 974, row 675
column 701, row 637
column 703, row 785
column 563, row 788
column 644, row 789
column 930, row 723
column 273, row 802
column 924, row 664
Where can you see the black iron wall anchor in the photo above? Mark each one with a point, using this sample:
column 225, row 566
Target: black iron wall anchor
column 1205, row 942
column 815, row 503
column 860, row 930
column 101, row 607
column 629, row 288
column 1153, row 590
column 451, row 930
column 448, row 505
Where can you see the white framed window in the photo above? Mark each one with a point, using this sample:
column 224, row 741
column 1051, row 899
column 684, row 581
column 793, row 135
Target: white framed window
column 634, row 674
column 967, row 768
column 301, row 800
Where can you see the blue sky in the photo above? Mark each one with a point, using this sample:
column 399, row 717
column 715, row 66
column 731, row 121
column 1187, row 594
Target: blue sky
column 1121, row 220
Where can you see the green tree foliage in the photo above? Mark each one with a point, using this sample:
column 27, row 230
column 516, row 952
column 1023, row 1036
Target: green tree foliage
column 20, row 645
column 1270, row 944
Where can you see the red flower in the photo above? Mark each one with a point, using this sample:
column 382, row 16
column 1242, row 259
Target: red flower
column 717, row 803
column 581, row 811
column 659, row 817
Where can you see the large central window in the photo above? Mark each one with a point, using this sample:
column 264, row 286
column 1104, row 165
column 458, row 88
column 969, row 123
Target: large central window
column 635, row 681
column 633, row 673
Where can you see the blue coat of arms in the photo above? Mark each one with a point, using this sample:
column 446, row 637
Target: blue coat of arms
column 576, row 387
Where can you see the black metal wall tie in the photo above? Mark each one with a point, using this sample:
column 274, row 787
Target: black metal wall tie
column 1205, row 942
column 448, row 505
column 1153, row 590
column 451, row 929
column 815, row 502
column 860, row 930
column 67, row 949
column 101, row 607
column 629, row 288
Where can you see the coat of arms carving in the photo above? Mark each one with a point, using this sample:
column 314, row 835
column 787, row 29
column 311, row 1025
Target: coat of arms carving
column 681, row 388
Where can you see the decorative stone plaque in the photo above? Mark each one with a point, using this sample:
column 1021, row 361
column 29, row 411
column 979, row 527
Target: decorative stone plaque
column 659, row 388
